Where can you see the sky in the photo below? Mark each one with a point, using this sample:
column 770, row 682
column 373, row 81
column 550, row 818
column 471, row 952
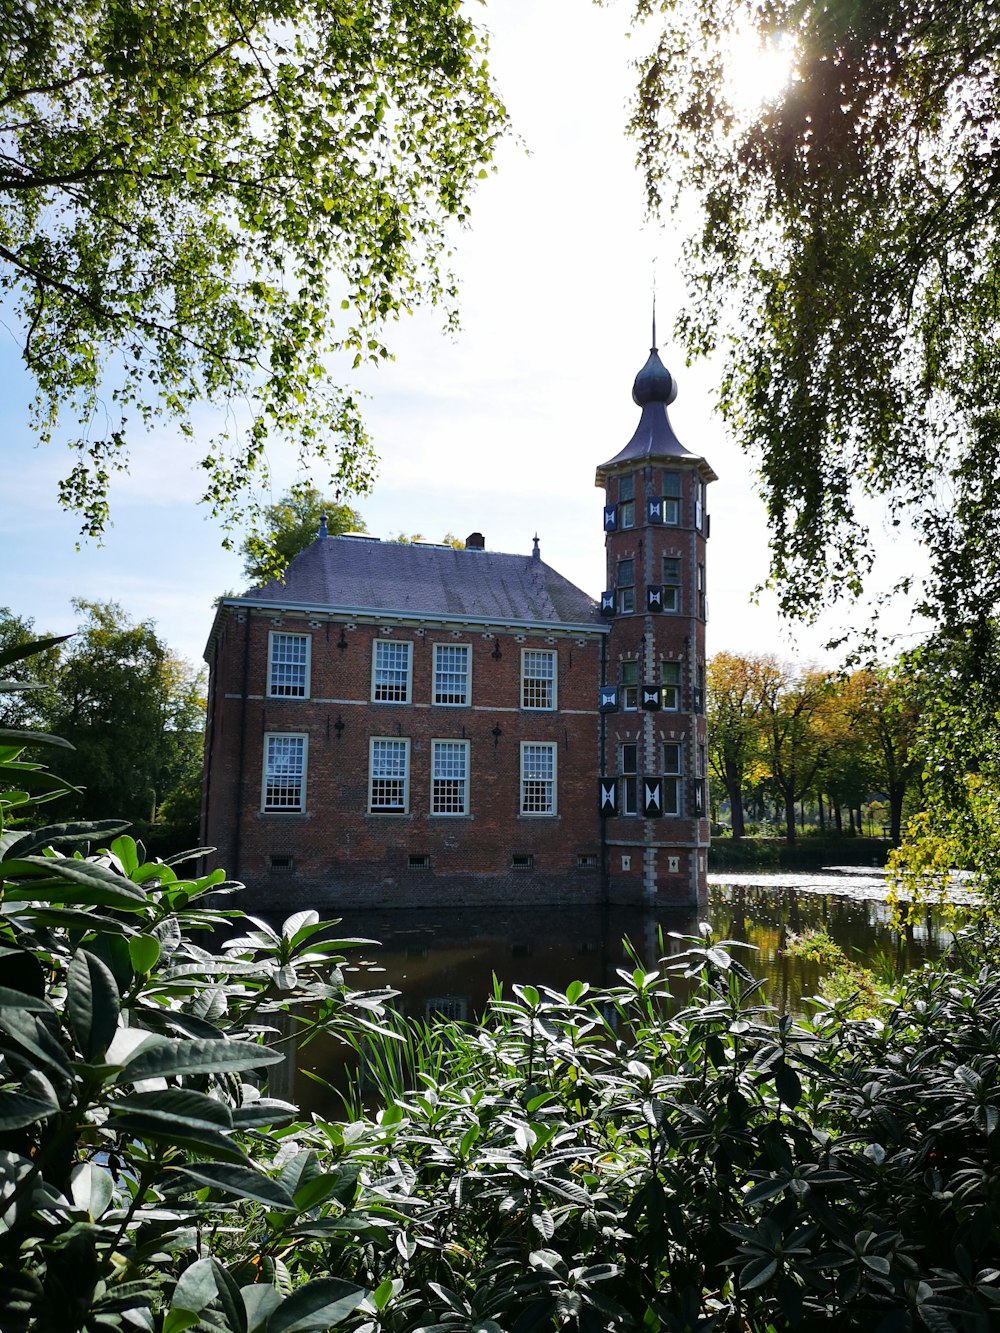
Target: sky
column 498, row 429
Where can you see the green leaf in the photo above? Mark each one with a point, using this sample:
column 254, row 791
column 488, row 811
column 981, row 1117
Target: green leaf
column 757, row 1272
column 168, row 1058
column 144, row 953
column 25, row 738
column 316, row 1306
column 78, row 831
column 17, row 1109
column 93, row 1004
column 91, row 1189
column 17, row 652
column 241, row 1181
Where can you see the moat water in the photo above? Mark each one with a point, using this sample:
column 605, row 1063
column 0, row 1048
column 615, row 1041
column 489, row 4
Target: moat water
column 444, row 961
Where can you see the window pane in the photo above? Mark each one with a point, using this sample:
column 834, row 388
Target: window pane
column 538, row 772
column 671, row 757
column 392, row 672
column 670, row 678
column 538, row 683
column 289, row 660
column 284, row 772
column 671, row 796
column 451, row 673
column 450, row 778
column 389, row 773
column 626, row 488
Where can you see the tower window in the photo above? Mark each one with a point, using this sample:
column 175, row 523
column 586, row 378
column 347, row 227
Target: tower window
column 671, row 780
column 626, row 502
column 702, row 606
column 626, row 586
column 672, row 498
column 628, row 759
column 670, row 683
column 671, row 583
column 699, row 504
column 630, row 686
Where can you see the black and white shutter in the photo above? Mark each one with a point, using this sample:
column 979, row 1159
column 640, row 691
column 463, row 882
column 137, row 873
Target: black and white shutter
column 652, row 797
column 609, row 805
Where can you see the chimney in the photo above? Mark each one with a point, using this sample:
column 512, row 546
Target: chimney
column 475, row 542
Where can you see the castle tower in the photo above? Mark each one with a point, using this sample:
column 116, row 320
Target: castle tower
column 653, row 791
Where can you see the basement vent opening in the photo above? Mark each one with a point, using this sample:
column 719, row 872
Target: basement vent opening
column 285, row 864
column 419, row 863
column 587, row 861
column 523, row 862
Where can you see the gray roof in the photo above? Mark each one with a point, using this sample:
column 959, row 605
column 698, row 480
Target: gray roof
column 654, row 439
column 357, row 574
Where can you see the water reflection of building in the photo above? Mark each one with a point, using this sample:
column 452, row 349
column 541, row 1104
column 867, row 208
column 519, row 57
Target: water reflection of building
column 419, row 725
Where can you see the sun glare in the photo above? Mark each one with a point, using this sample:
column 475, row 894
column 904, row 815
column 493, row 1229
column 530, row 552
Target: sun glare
column 757, row 70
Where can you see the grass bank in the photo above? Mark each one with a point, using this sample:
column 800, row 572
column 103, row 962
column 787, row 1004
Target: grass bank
column 807, row 853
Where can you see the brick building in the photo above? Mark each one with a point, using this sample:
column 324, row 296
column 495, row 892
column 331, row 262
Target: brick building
column 424, row 725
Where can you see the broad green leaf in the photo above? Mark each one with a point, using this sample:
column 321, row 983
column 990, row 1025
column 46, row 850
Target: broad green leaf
column 144, row 952
column 91, row 1189
column 260, row 1302
column 241, row 1181
column 17, row 652
column 26, row 738
column 757, row 1272
column 35, row 1040
column 316, row 1307
column 77, row 831
column 168, row 1058
column 17, row 1109
column 93, row 1004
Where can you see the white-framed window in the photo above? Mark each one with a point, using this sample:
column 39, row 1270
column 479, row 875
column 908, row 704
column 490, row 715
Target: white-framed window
column 389, row 775
column 392, row 672
column 452, row 674
column 626, row 502
column 699, row 504
column 630, row 686
column 538, row 778
column 538, row 678
column 672, row 757
column 671, row 796
column 449, row 777
column 628, row 764
column 626, row 586
column 672, row 498
column 702, row 603
column 671, row 583
column 288, row 665
column 284, row 784
column 670, row 683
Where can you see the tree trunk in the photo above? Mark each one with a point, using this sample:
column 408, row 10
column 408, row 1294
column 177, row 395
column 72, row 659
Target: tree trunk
column 838, row 819
column 789, row 818
column 896, row 794
column 822, row 812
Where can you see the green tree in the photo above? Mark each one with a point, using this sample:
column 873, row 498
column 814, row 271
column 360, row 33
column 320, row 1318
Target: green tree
column 849, row 238
column 189, row 190
column 736, row 692
column 134, row 713
column 794, row 706
column 885, row 715
column 289, row 526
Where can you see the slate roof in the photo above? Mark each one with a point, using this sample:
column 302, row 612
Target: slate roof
column 346, row 574
column 654, row 439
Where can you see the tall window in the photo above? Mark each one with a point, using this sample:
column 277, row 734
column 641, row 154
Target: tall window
column 626, row 586
column 452, row 666
column 672, row 778
column 670, row 682
column 284, row 787
column 391, row 672
column 538, row 778
column 672, row 498
column 449, row 777
column 288, row 665
column 626, row 502
column 629, row 780
column 702, row 608
column 389, row 776
column 538, row 678
column 630, row 686
column 671, row 583
column 699, row 504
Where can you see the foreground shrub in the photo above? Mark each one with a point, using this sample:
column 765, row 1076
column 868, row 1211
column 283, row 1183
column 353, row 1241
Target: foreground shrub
column 599, row 1159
